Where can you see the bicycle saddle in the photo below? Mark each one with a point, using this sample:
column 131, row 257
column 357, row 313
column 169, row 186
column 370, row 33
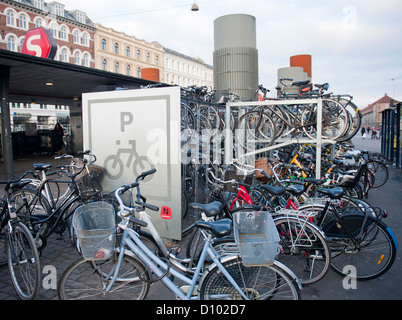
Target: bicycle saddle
column 18, row 185
column 275, row 190
column 295, row 189
column 334, row 193
column 210, row 209
column 314, row 181
column 219, row 228
column 300, row 83
column 41, row 166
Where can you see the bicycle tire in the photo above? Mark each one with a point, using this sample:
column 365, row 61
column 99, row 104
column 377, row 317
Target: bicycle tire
column 380, row 171
column 355, row 118
column 252, row 133
column 85, row 280
column 304, row 249
column 376, row 250
column 23, row 261
column 268, row 282
column 334, row 120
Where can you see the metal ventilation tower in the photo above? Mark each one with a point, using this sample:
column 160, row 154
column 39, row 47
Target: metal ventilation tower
column 236, row 55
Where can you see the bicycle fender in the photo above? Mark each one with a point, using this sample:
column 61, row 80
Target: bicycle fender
column 393, row 237
column 353, row 222
column 290, row 272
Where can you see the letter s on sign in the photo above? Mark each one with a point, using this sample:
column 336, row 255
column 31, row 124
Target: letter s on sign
column 33, row 47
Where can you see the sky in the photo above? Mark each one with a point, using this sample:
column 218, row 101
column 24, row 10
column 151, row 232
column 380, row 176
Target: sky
column 356, row 45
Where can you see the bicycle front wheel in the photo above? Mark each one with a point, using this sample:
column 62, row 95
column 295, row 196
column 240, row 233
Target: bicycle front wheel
column 268, row 282
column 87, row 280
column 371, row 252
column 380, row 171
column 23, row 261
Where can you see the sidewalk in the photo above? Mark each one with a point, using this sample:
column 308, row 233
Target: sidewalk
column 59, row 253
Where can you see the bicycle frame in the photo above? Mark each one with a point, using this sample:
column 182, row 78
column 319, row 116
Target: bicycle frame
column 160, row 268
column 242, row 195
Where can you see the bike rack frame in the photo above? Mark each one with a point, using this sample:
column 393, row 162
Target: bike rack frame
column 281, row 142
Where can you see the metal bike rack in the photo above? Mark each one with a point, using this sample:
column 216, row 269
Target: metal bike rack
column 318, row 141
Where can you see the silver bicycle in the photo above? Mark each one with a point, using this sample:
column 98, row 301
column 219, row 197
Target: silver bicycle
column 127, row 271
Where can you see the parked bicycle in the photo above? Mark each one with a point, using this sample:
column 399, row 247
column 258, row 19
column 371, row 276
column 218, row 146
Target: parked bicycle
column 126, row 272
column 47, row 214
column 21, row 253
column 357, row 238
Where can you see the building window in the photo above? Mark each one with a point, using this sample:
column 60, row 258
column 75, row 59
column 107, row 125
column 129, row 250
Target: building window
column 39, row 4
column 157, row 60
column 116, row 67
column 63, row 33
column 22, row 22
column 138, row 72
column 128, row 51
column 53, row 29
column 76, row 37
column 11, row 44
column 77, row 59
column 85, row 60
column 59, row 9
column 104, row 65
column 80, row 16
column 85, row 41
column 116, row 48
column 64, row 55
column 38, row 22
column 10, row 20
column 128, row 70
column 138, row 54
column 148, row 57
column 103, row 44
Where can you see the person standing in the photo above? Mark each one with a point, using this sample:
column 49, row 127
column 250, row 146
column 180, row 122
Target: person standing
column 58, row 138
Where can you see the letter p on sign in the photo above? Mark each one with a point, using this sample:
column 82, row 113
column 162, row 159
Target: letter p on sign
column 39, row 42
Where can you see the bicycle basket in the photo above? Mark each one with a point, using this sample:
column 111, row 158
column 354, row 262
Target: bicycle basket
column 94, row 227
column 257, row 237
column 233, row 173
column 263, row 163
column 89, row 185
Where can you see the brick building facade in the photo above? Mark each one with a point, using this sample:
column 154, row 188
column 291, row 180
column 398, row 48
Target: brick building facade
column 72, row 30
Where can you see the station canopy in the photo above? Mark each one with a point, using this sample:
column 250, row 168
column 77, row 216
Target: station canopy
column 29, row 75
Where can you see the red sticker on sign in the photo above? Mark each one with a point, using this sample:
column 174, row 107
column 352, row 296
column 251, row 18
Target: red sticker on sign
column 166, row 213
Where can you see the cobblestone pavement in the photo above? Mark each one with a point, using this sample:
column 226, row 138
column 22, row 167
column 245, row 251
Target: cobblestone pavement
column 59, row 253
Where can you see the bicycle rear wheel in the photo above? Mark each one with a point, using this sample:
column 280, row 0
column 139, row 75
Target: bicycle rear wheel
column 304, row 249
column 87, row 280
column 255, row 131
column 23, row 261
column 268, row 282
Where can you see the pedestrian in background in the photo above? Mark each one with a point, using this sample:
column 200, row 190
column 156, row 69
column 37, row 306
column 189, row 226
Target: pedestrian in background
column 363, row 132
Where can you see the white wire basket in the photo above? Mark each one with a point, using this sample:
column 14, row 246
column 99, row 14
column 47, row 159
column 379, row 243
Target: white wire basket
column 94, row 227
column 256, row 236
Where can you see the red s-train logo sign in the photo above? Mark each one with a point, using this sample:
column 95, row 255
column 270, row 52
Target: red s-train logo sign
column 39, row 42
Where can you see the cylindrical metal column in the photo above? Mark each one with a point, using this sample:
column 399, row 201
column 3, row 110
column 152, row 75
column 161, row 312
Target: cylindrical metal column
column 236, row 55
